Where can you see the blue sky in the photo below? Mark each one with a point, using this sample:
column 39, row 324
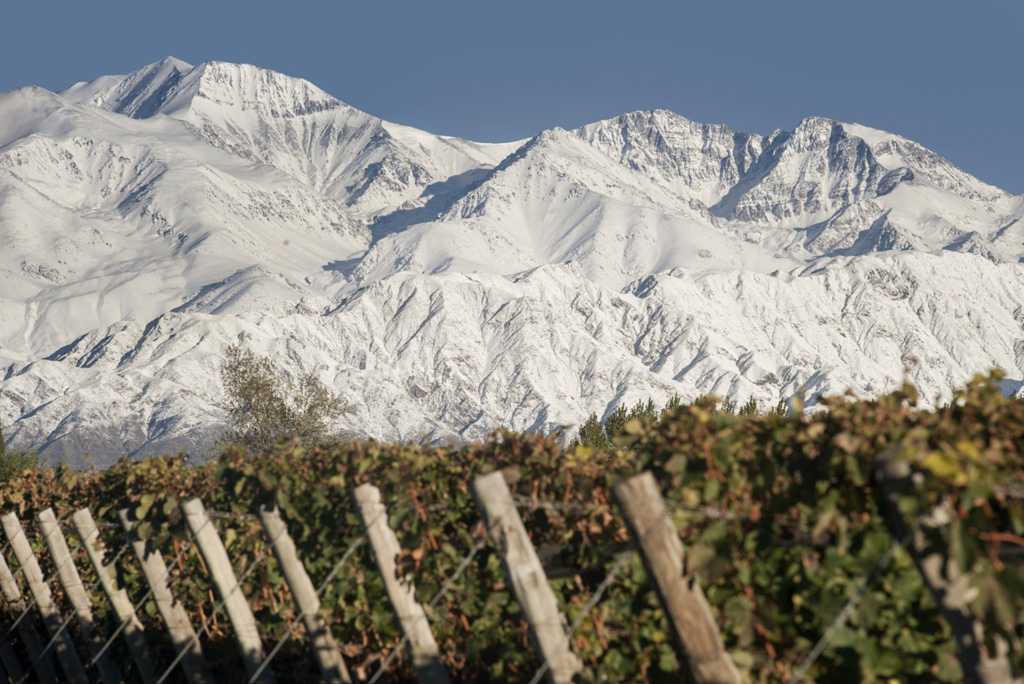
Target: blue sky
column 946, row 74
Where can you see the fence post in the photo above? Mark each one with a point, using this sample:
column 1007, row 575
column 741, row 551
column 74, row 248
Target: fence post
column 40, row 662
column 950, row 588
column 133, row 631
column 172, row 612
column 682, row 598
column 325, row 650
column 69, row 661
column 426, row 658
column 75, row 591
column 243, row 623
column 548, row 625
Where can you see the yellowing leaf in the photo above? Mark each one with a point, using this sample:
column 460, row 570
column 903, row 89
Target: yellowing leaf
column 941, row 464
column 969, row 450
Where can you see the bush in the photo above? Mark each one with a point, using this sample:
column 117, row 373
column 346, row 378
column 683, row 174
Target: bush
column 780, row 517
column 14, row 462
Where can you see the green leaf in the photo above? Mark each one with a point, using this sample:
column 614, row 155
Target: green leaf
column 712, row 488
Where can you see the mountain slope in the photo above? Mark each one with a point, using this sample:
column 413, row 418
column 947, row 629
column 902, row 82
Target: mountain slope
column 451, row 356
column 105, row 218
column 445, row 287
column 341, row 152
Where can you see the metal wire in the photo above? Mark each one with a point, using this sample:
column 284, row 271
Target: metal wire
column 605, row 583
column 330, row 576
column 295, row 623
column 67, row 621
column 46, row 580
column 433, row 602
column 6, row 546
column 709, row 512
column 843, row 615
column 135, row 608
column 238, row 585
column 524, row 501
column 598, row 593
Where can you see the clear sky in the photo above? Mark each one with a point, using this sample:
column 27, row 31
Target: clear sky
column 946, row 74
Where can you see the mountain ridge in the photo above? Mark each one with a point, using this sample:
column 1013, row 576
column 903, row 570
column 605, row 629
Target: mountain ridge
column 447, row 287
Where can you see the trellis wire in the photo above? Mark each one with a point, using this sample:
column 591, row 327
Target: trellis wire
column 17, row 572
column 302, row 613
column 433, row 602
column 589, row 605
column 67, row 621
column 135, row 608
column 47, row 580
column 709, row 512
column 220, row 604
column 605, row 583
column 323, row 585
column 524, row 501
column 843, row 615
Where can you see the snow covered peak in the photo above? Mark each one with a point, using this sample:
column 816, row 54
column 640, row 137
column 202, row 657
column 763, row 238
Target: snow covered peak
column 446, row 287
column 269, row 93
column 172, row 86
column 266, row 117
column 695, row 160
column 140, row 94
column 805, row 176
column 894, row 151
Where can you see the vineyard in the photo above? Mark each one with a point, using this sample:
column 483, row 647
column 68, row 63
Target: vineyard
column 872, row 541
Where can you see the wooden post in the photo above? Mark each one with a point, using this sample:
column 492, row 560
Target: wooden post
column 42, row 664
column 328, row 657
column 172, row 612
column 950, row 588
column 133, row 631
column 548, row 625
column 219, row 564
column 682, row 598
column 10, row 668
column 66, row 654
column 426, row 658
column 76, row 593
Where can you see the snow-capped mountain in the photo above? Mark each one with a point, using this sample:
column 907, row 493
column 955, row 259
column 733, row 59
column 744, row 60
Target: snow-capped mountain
column 262, row 116
column 446, row 287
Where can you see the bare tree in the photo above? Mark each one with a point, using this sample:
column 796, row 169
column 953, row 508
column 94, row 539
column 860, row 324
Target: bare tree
column 264, row 406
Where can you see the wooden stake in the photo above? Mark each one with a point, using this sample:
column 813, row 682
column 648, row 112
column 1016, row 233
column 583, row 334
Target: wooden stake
column 548, row 625
column 950, row 588
column 133, row 630
column 426, row 658
column 219, row 565
column 43, row 666
column 76, row 593
column 174, row 616
column 693, row 624
column 328, row 657
column 62, row 643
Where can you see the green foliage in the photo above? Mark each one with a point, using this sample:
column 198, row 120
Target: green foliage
column 795, row 528
column 595, row 436
column 673, row 403
column 592, row 434
column 264, row 407
column 780, row 409
column 749, row 408
column 14, row 462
